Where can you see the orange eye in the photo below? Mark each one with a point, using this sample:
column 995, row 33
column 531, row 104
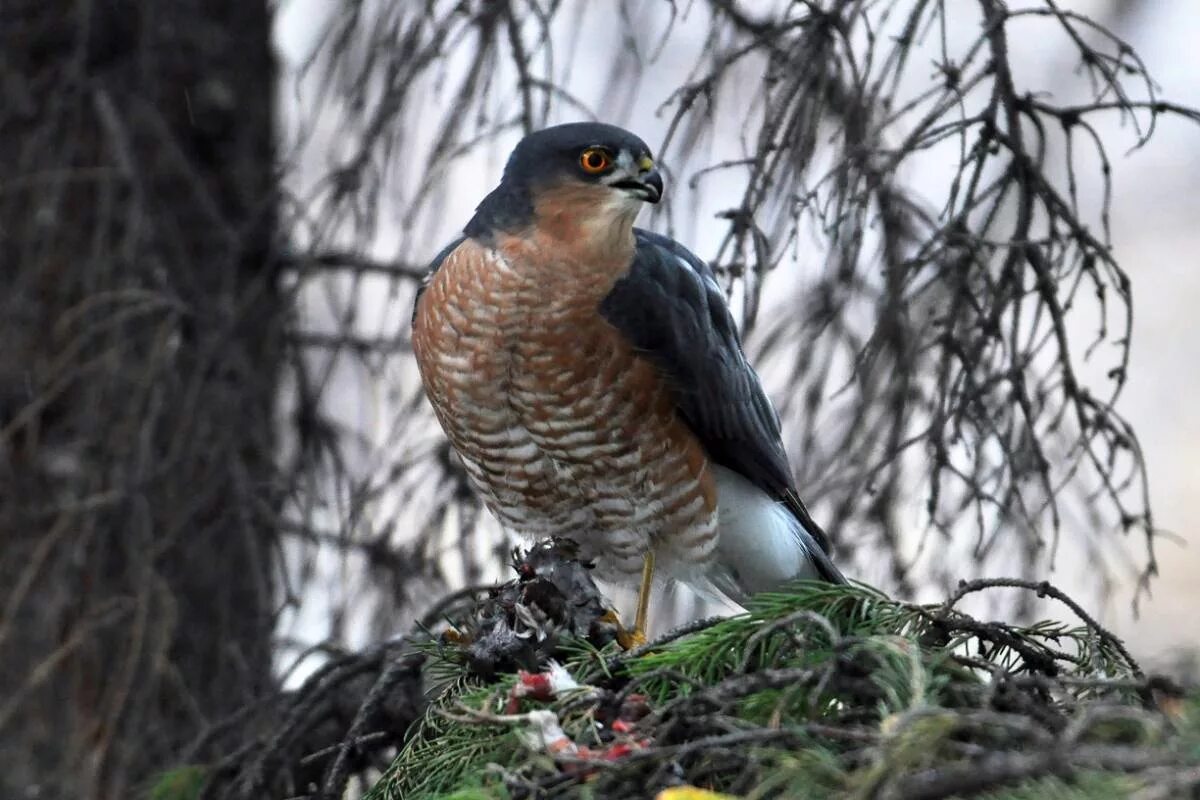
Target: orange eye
column 594, row 160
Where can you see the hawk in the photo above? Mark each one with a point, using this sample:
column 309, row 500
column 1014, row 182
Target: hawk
column 591, row 377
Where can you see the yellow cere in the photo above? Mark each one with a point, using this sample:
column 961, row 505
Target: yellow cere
column 646, row 163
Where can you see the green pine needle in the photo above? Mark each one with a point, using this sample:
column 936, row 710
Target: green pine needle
column 823, row 692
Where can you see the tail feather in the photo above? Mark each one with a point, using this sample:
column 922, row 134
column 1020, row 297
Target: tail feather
column 762, row 543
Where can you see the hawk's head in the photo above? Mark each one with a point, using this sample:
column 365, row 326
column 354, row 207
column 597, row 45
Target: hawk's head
column 582, row 168
column 589, row 153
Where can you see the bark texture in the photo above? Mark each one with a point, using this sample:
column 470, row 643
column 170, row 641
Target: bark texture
column 140, row 324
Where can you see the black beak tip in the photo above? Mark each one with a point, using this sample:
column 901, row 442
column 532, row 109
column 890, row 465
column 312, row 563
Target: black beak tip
column 654, row 184
column 647, row 187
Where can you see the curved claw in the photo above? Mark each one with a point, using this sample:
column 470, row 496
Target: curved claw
column 630, row 639
column 627, row 638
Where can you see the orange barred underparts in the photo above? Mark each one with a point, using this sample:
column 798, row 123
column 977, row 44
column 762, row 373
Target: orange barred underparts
column 561, row 424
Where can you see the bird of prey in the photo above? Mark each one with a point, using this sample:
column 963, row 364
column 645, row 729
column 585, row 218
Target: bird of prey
column 591, row 377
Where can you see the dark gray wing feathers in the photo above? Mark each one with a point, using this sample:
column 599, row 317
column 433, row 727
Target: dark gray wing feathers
column 671, row 307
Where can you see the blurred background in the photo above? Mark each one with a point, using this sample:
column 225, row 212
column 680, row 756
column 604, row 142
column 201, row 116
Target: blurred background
column 218, row 474
column 628, row 67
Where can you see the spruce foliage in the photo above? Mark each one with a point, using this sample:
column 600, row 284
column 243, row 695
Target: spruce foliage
column 818, row 692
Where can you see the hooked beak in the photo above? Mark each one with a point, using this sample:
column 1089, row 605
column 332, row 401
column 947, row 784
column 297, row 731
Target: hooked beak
column 647, row 186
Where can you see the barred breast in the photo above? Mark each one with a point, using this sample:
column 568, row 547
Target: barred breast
column 562, row 427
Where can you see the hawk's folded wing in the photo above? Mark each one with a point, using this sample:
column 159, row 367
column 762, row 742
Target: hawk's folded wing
column 671, row 307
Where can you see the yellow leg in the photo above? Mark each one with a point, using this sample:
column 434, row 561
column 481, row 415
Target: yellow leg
column 641, row 621
column 637, row 636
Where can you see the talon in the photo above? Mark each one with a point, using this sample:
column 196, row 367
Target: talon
column 630, row 639
column 626, row 638
column 455, row 636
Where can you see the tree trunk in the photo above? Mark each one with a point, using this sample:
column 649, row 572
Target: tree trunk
column 140, row 325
